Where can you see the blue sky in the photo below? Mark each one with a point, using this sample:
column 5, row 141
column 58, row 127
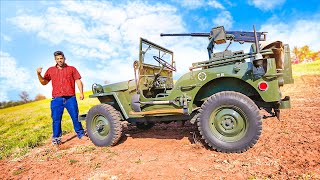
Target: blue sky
column 101, row 38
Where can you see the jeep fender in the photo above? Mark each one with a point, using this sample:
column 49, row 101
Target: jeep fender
column 225, row 84
column 113, row 99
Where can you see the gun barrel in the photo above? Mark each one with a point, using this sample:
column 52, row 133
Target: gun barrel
column 246, row 36
column 187, row 34
column 237, row 36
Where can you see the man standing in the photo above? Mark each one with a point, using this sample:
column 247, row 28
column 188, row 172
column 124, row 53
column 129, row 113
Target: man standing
column 63, row 79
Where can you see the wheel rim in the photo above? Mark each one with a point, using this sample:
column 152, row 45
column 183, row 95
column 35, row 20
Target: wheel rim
column 100, row 126
column 228, row 123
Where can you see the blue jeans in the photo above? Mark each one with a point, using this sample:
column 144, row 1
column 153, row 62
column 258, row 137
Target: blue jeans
column 57, row 106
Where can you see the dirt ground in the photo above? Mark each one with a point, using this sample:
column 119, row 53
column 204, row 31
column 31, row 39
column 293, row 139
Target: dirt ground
column 287, row 149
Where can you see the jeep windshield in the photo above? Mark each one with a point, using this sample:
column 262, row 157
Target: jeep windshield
column 149, row 50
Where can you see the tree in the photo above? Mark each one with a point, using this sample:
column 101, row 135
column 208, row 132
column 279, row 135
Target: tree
column 304, row 54
column 295, row 51
column 39, row 97
column 315, row 56
column 24, row 95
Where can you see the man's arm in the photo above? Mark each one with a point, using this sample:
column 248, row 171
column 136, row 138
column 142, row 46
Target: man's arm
column 80, row 87
column 41, row 79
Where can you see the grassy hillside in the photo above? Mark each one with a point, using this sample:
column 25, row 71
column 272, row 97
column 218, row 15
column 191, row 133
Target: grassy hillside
column 29, row 125
column 311, row 68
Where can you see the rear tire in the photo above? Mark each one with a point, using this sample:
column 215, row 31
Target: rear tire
column 229, row 122
column 103, row 125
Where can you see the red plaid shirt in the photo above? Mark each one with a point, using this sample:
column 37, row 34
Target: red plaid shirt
column 63, row 80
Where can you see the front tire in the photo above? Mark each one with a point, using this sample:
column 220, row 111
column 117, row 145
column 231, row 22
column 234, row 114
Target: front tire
column 103, row 125
column 229, row 122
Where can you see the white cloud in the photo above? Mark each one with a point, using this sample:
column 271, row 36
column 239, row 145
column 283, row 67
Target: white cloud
column 202, row 23
column 6, row 38
column 215, row 4
column 185, row 55
column 3, row 95
column 192, row 4
column 12, row 76
column 116, row 71
column 9, row 70
column 266, row 5
column 224, row 19
column 91, row 29
column 28, row 22
column 297, row 33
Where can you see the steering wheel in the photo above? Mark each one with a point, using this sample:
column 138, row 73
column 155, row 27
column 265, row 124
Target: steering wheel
column 164, row 63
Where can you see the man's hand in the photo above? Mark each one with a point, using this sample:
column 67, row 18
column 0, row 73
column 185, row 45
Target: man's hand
column 39, row 70
column 41, row 79
column 80, row 86
column 81, row 96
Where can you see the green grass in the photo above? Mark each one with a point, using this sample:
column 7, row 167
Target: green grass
column 311, row 68
column 29, row 125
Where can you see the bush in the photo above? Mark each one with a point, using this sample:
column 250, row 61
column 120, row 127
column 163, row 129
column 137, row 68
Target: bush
column 39, row 97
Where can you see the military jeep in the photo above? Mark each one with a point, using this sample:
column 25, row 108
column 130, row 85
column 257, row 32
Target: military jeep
column 223, row 95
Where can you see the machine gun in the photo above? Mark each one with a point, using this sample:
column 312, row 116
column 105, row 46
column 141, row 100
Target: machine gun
column 218, row 35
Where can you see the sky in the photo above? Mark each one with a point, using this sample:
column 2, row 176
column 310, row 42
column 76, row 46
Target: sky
column 101, row 38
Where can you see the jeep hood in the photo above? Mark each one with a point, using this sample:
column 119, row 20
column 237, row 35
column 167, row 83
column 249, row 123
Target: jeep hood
column 120, row 86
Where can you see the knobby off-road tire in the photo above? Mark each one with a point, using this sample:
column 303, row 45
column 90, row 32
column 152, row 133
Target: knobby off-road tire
column 229, row 122
column 143, row 126
column 103, row 124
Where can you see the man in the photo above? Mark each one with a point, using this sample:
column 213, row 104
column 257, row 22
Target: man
column 63, row 79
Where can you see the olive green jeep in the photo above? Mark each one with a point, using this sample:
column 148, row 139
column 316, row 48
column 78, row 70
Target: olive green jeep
column 223, row 95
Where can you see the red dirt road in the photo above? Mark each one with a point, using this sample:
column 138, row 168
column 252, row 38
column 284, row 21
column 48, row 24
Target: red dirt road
column 287, row 149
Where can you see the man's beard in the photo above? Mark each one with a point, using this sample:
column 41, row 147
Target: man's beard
column 60, row 64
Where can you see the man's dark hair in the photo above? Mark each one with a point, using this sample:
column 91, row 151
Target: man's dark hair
column 57, row 53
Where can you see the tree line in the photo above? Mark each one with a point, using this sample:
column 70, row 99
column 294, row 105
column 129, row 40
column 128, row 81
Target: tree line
column 25, row 98
column 304, row 54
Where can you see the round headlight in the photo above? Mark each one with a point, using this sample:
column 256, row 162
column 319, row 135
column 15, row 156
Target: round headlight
column 97, row 88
